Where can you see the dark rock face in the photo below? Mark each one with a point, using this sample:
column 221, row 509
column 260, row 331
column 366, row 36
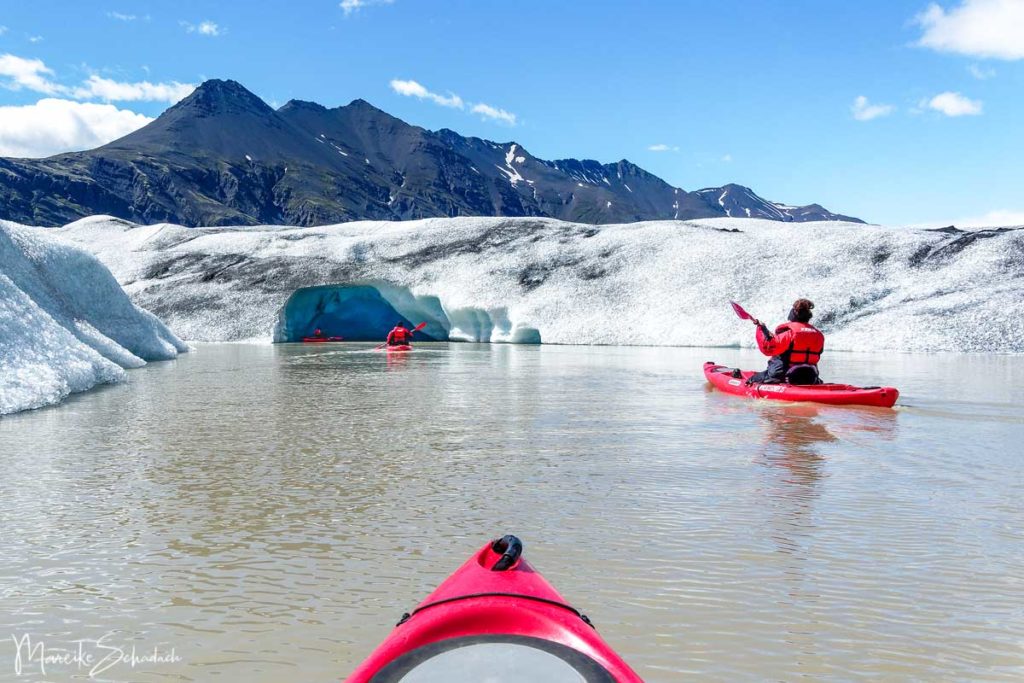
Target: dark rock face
column 741, row 202
column 222, row 156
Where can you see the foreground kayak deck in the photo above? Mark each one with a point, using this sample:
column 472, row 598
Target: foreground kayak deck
column 723, row 379
column 494, row 619
column 398, row 349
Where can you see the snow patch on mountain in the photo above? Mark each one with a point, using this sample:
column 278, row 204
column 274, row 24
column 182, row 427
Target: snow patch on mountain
column 513, row 175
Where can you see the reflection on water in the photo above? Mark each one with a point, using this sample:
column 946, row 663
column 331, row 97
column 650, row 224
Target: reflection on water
column 269, row 512
column 791, row 451
column 792, row 436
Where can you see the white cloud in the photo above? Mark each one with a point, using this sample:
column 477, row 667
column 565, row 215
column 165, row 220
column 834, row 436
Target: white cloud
column 408, row 88
column 981, row 73
column 203, row 28
column 727, row 158
column 661, row 147
column 51, row 126
column 35, row 39
column 97, row 87
column 350, row 6
column 414, row 89
column 979, row 28
column 863, row 110
column 31, row 74
column 121, row 16
column 997, row 218
column 953, row 104
column 994, row 218
column 495, row 114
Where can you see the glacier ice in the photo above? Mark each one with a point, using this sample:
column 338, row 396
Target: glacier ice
column 65, row 323
column 531, row 279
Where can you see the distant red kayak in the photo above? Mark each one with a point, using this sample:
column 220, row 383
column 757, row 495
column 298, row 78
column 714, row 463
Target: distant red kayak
column 321, row 340
column 723, row 379
column 495, row 618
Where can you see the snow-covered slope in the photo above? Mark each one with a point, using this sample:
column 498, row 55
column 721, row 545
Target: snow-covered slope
column 65, row 323
column 665, row 282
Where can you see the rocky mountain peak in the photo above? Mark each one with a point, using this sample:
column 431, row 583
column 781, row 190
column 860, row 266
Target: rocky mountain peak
column 216, row 97
column 301, row 104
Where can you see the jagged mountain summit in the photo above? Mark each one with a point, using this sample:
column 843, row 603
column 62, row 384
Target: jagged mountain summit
column 222, row 156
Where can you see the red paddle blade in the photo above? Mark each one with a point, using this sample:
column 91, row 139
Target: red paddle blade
column 740, row 312
column 419, row 327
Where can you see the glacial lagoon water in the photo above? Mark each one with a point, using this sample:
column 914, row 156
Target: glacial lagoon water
column 260, row 513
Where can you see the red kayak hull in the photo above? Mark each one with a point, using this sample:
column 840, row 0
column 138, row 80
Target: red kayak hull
column 321, row 340
column 514, row 605
column 722, row 378
column 398, row 349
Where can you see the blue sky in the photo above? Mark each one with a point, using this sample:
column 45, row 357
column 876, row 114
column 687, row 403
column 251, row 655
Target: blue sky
column 900, row 112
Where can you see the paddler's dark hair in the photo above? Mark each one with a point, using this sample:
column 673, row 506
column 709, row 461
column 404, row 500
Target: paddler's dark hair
column 802, row 310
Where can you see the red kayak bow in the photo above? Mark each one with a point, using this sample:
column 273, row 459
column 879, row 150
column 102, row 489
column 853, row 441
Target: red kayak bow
column 494, row 619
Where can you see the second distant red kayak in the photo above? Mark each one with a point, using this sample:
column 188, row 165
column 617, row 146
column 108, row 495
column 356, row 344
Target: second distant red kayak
column 321, row 340
column 734, row 381
column 494, row 619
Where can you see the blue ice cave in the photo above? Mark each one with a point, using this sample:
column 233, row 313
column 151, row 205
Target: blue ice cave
column 368, row 311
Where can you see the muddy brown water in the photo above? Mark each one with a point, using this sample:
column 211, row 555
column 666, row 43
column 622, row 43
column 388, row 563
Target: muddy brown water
column 263, row 513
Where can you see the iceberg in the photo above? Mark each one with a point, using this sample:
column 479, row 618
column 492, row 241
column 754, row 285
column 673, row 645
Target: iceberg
column 65, row 323
column 532, row 280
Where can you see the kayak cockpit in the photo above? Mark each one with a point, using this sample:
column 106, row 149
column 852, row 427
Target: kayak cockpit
column 496, row 658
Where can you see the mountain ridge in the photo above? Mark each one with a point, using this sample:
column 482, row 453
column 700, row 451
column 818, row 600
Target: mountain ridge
column 223, row 156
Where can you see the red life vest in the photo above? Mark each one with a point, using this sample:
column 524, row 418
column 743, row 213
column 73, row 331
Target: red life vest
column 807, row 345
column 399, row 335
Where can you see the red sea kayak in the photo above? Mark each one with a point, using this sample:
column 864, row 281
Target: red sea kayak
column 494, row 619
column 321, row 340
column 725, row 379
column 398, row 348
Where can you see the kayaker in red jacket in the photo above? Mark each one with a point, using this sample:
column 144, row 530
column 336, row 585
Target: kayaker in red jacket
column 795, row 348
column 399, row 336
